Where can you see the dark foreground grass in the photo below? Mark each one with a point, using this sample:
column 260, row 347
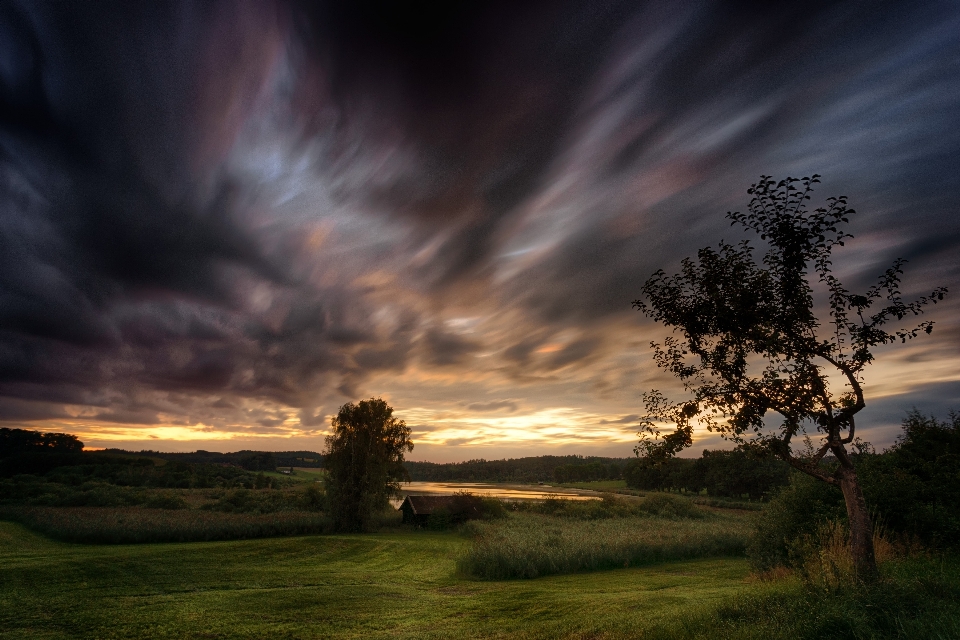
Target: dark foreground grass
column 916, row 599
column 106, row 525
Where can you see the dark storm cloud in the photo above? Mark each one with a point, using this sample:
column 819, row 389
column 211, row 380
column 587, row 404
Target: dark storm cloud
column 735, row 94
column 238, row 213
column 444, row 349
column 573, row 352
column 123, row 264
column 481, row 90
column 520, row 352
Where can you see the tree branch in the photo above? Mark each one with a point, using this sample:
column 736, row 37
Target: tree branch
column 854, row 384
column 810, row 470
column 849, row 437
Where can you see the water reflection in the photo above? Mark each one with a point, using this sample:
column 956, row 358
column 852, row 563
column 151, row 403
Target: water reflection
column 502, row 491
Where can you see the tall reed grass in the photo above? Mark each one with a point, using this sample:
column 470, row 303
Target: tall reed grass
column 106, row 525
column 528, row 545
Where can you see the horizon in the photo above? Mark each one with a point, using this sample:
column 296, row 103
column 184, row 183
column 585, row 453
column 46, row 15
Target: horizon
column 220, row 222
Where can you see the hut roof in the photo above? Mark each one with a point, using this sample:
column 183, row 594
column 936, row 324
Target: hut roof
column 425, row 505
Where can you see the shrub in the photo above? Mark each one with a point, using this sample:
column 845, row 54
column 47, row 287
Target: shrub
column 255, row 501
column 799, row 509
column 915, row 486
column 313, row 498
column 914, row 489
column 667, row 505
column 165, row 500
column 492, row 509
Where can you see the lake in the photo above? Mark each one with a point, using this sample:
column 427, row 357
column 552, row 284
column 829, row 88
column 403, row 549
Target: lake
column 504, row 491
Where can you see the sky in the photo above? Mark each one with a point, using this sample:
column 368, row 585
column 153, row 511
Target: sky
column 221, row 221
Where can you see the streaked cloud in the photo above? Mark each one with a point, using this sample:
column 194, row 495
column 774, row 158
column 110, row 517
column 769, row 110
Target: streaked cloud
column 224, row 228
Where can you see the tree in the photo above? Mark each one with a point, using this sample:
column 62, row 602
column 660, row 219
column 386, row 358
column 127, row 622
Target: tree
column 17, row 441
column 258, row 461
column 751, row 342
column 364, row 462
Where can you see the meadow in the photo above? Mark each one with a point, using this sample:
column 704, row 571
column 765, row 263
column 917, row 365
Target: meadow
column 175, row 550
column 602, row 569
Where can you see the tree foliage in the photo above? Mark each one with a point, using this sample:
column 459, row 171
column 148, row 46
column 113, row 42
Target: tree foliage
column 915, row 486
column 529, row 469
column 364, row 462
column 17, row 441
column 731, row 474
column 749, row 340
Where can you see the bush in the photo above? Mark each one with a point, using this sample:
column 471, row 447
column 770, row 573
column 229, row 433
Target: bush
column 165, row 500
column 464, row 507
column 913, row 490
column 492, row 509
column 268, row 500
column 799, row 509
column 666, row 505
column 915, row 486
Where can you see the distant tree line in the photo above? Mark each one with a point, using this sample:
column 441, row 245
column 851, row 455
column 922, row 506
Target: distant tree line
column 16, row 441
column 588, row 472
column 531, row 469
column 734, row 473
column 246, row 459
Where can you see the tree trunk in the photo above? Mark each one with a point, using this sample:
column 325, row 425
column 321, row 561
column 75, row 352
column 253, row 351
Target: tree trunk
column 861, row 527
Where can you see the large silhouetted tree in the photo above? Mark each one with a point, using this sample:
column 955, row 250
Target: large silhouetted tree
column 749, row 341
column 364, row 462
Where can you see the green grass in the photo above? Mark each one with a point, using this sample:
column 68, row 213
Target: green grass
column 300, row 474
column 404, row 585
column 396, row 585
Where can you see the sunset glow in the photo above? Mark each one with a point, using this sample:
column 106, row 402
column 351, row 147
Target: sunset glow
column 219, row 224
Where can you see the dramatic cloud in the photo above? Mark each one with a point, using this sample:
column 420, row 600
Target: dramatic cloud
column 220, row 221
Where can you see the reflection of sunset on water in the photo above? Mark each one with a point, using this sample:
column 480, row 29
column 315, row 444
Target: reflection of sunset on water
column 503, row 491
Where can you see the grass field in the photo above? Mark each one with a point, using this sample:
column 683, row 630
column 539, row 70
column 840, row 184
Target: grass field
column 404, row 584
column 300, row 474
column 397, row 585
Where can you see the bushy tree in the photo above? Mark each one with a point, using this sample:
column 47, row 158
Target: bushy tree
column 915, row 486
column 16, row 441
column 752, row 342
column 364, row 462
column 259, row 461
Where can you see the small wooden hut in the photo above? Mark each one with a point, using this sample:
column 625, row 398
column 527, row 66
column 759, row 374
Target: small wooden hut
column 417, row 509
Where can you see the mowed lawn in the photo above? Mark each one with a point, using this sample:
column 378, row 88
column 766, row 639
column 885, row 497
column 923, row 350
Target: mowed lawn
column 391, row 585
